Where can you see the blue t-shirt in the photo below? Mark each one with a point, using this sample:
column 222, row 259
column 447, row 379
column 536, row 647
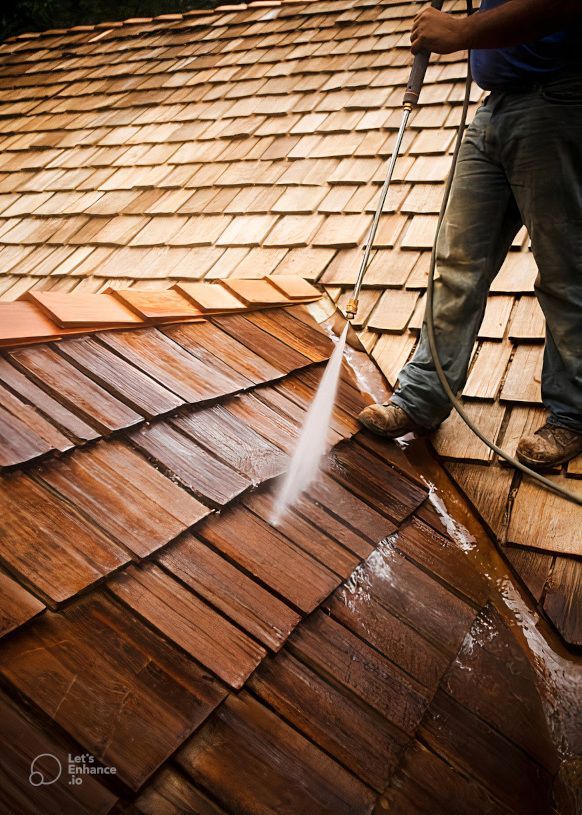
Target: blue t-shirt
column 503, row 68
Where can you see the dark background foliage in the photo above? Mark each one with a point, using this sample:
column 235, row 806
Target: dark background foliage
column 18, row 16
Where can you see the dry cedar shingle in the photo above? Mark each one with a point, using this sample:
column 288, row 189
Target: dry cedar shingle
column 293, row 230
column 200, row 230
column 527, row 322
column 552, row 512
column 487, row 487
column 523, row 381
column 420, row 233
column 497, row 311
column 391, row 352
column 487, row 370
column 299, row 200
column 342, row 231
column 246, row 230
column 455, row 440
column 517, row 275
column 393, row 311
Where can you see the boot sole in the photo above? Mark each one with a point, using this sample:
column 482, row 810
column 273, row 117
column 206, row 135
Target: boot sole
column 542, row 466
column 389, row 434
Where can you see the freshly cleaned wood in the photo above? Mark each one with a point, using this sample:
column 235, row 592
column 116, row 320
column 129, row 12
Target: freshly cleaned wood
column 49, row 545
column 121, row 492
column 59, row 415
column 76, row 391
column 195, row 468
column 189, row 622
column 270, row 557
column 230, row 590
column 209, row 296
column 17, row 605
column 119, row 377
column 171, row 365
column 563, row 600
column 347, row 730
column 245, row 744
column 115, row 686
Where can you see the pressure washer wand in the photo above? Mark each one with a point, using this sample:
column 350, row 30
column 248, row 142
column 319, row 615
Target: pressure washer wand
column 410, row 100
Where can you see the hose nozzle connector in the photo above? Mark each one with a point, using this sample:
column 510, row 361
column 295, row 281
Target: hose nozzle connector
column 351, row 309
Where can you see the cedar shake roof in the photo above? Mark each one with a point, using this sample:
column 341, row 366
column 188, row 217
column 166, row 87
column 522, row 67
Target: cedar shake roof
column 252, row 141
column 356, row 658
column 168, row 190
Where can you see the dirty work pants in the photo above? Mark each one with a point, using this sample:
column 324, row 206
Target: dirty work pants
column 520, row 163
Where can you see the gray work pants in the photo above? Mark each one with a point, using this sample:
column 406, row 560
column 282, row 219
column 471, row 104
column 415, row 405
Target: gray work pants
column 520, row 163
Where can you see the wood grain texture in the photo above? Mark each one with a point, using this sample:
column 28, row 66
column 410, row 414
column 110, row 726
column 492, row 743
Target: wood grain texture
column 116, row 687
column 245, row 743
column 226, row 349
column 294, row 333
column 487, row 370
column 558, row 523
column 120, row 378
column 121, row 492
column 454, row 440
column 313, row 540
column 375, row 482
column 210, row 297
column 437, row 554
column 17, row 605
column 527, row 323
column 523, row 381
column 171, row 793
column 488, row 489
column 532, row 566
column 234, row 442
column 231, row 591
column 80, row 310
column 76, row 391
column 475, row 748
column 496, row 317
column 270, row 557
column 157, row 305
column 31, row 423
column 63, row 418
column 261, row 342
column 350, row 732
column 189, row 622
column 347, row 661
column 563, row 600
column 23, row 738
column 48, row 544
column 18, row 442
column 493, row 678
column 171, row 365
column 195, row 468
column 428, row 783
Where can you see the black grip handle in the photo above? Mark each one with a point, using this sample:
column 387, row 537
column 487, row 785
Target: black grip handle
column 418, row 71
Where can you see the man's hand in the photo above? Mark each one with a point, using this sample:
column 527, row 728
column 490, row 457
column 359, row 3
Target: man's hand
column 436, row 31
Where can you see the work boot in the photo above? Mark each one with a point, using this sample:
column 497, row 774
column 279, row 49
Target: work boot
column 549, row 446
column 388, row 420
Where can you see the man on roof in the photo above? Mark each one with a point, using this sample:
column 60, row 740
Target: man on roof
column 520, row 163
